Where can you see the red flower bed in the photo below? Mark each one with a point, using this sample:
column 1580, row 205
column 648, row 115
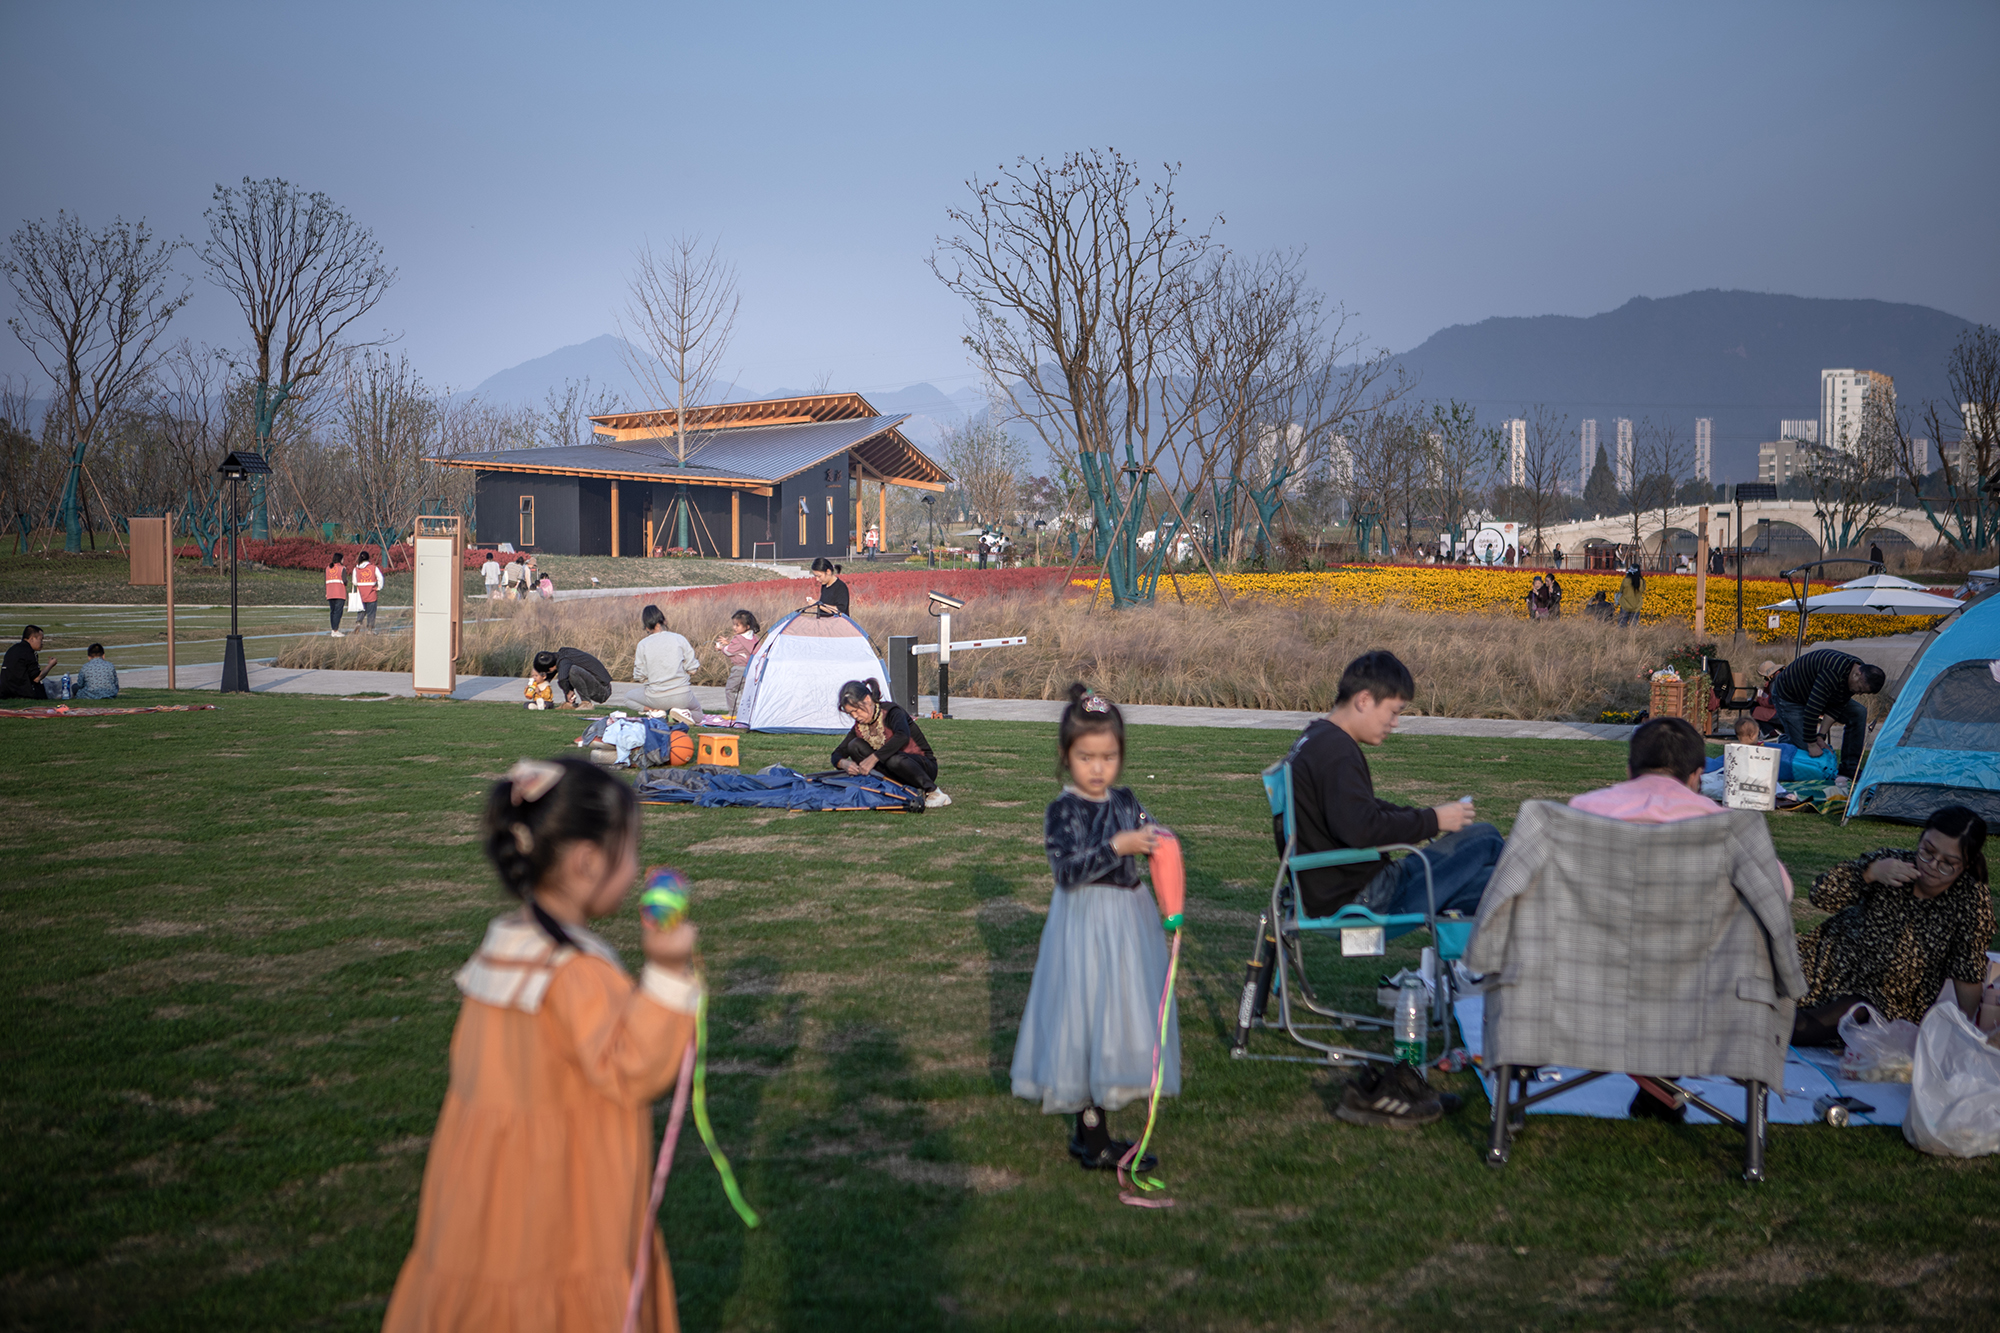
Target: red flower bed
column 307, row 553
column 966, row 583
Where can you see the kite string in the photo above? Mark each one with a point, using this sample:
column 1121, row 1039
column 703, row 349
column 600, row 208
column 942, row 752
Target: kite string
column 1138, row 1150
column 639, row 1265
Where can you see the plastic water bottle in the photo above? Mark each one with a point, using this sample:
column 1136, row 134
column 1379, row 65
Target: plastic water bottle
column 1413, row 1022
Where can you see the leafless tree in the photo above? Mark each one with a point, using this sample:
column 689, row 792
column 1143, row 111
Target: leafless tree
column 1459, row 458
column 987, row 464
column 303, row 271
column 91, row 305
column 1853, row 479
column 392, row 429
column 1962, row 497
column 1663, row 460
column 1538, row 498
column 564, row 417
column 1076, row 272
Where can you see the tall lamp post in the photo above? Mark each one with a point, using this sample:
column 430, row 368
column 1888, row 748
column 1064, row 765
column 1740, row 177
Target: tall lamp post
column 1040, row 523
column 1746, row 490
column 236, row 671
column 930, row 528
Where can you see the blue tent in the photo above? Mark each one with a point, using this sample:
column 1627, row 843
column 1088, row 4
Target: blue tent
column 1941, row 743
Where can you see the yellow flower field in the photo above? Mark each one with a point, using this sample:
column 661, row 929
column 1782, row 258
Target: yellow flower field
column 1457, row 589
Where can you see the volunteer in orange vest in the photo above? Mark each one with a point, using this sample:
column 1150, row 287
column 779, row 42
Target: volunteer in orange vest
column 336, row 592
column 368, row 582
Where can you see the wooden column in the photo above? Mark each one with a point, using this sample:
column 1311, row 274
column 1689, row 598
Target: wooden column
column 1701, row 576
column 614, row 516
column 860, row 519
column 882, row 513
column 736, row 525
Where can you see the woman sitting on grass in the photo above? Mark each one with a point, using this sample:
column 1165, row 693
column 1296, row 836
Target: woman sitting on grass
column 537, row 1180
column 1904, row 922
column 886, row 738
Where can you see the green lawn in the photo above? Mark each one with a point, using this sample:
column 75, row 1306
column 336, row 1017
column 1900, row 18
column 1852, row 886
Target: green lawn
column 231, row 936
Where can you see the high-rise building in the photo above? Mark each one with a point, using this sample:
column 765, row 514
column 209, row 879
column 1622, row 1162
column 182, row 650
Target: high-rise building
column 1623, row 464
column 1704, row 448
column 1805, row 428
column 1843, row 400
column 1587, row 433
column 1781, row 460
column 1517, row 452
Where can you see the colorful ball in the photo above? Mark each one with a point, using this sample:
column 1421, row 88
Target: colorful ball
column 664, row 900
column 681, row 749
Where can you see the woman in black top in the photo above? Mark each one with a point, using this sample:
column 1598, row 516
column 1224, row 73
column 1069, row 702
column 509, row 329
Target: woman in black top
column 887, row 739
column 832, row 599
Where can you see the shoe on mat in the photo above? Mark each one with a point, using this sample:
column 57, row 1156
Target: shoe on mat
column 684, row 717
column 935, row 798
column 1645, row 1106
column 1392, row 1098
column 1105, row 1156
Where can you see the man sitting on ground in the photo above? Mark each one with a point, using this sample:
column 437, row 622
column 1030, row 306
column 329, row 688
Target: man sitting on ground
column 1334, row 806
column 98, row 679
column 1823, row 683
column 21, row 674
column 1663, row 764
column 577, row 674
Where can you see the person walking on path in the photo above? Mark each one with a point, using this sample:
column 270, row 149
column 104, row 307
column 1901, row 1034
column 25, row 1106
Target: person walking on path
column 368, row 582
column 1631, row 597
column 489, row 574
column 336, row 593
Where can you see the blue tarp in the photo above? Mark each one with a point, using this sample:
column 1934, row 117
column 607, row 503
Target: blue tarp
column 780, row 788
column 1941, row 743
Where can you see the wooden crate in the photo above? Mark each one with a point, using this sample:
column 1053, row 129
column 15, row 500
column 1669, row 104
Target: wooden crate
column 1687, row 697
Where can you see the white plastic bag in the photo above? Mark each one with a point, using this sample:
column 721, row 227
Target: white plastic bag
column 1955, row 1091
column 1750, row 777
column 354, row 600
column 1878, row 1051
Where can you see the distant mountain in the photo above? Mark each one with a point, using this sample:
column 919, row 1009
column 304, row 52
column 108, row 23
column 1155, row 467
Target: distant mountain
column 601, row 360
column 1744, row 359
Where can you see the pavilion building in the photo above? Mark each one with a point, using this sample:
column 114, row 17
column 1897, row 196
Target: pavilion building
column 781, row 478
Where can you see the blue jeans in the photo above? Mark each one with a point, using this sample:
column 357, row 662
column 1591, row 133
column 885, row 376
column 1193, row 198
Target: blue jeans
column 1800, row 729
column 1461, row 863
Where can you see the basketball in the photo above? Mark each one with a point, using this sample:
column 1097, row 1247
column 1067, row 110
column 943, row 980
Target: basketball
column 681, row 749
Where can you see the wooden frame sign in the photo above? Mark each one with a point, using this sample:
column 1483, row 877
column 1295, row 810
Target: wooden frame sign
column 437, row 603
column 153, row 566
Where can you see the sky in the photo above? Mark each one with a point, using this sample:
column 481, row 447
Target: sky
column 1437, row 163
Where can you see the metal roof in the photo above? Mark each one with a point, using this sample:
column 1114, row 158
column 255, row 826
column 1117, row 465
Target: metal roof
column 743, row 454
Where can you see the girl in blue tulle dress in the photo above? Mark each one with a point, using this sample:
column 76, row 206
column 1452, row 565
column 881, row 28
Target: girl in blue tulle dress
column 1086, row 1043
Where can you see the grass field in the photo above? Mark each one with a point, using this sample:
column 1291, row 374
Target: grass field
column 230, row 942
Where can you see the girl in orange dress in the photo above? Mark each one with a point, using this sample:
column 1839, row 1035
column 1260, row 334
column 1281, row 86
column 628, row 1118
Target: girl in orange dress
column 536, row 1186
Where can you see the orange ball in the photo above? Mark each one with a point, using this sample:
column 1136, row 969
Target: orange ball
column 681, row 749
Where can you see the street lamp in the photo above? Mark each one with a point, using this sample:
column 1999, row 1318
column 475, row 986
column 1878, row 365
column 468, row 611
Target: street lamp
column 235, row 671
column 1747, row 490
column 1040, row 523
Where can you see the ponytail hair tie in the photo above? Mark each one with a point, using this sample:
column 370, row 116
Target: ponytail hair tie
column 530, row 780
column 524, row 839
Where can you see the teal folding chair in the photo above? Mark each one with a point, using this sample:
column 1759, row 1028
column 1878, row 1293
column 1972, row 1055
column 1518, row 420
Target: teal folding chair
column 1276, row 968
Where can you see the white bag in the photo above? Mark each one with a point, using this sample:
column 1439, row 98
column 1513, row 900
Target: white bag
column 1955, row 1090
column 354, row 600
column 1878, row 1051
column 1750, row 777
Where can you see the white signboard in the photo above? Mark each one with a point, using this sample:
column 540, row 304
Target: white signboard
column 434, row 612
column 1749, row 777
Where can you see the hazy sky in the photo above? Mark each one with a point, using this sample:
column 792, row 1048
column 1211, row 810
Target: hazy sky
column 1440, row 163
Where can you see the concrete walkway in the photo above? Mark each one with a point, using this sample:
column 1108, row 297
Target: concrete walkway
column 268, row 679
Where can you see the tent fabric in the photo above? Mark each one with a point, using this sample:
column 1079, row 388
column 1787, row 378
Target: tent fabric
column 1941, row 743
column 781, row 788
column 793, row 680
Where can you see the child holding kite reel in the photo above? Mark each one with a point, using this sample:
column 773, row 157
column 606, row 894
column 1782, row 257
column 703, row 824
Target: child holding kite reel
column 535, row 1199
column 1100, row 1029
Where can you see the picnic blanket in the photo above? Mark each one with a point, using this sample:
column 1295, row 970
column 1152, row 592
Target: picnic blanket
column 646, row 740
column 64, row 710
column 1811, row 1072
column 781, row 788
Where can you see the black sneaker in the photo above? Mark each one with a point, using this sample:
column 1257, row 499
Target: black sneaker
column 1105, row 1156
column 1393, row 1098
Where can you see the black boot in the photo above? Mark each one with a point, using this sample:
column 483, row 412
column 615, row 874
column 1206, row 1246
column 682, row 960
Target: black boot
column 1095, row 1149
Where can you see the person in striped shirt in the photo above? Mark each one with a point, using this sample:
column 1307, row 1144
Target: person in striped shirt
column 1823, row 683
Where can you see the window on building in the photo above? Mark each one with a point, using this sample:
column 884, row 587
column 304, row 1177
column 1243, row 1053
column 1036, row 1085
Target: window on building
column 527, row 520
column 829, row 520
column 803, row 512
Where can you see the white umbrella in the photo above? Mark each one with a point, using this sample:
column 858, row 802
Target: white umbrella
column 1884, row 581
column 1872, row 601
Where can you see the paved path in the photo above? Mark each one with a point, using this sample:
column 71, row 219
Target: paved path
column 268, row 679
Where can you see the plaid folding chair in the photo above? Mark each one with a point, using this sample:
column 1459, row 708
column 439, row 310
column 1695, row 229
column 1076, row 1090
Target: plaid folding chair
column 1276, row 967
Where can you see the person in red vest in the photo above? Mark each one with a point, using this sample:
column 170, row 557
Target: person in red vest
column 336, row 592
column 368, row 582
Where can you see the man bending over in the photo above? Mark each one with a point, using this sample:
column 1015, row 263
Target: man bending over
column 1335, row 806
column 581, row 677
column 1823, row 683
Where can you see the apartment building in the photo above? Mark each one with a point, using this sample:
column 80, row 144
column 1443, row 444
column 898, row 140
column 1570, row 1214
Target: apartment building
column 1704, row 448
column 1843, row 400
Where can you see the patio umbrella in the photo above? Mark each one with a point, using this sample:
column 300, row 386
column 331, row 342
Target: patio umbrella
column 1884, row 581
column 1872, row 601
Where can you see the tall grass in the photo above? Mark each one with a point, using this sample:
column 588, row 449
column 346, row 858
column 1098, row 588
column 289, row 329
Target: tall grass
column 1254, row 655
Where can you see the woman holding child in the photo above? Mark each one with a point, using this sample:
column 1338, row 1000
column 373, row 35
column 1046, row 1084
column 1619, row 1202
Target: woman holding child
column 1904, row 922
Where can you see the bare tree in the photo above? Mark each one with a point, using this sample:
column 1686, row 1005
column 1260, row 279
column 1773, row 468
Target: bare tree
column 681, row 307
column 1544, row 463
column 1962, row 497
column 1663, row 460
column 1459, row 461
column 1076, row 273
column 92, row 304
column 303, row 271
column 392, row 428
column 1853, row 479
column 988, row 464
column 564, row 417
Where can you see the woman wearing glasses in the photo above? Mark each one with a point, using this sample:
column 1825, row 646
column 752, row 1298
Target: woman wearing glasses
column 1904, row 922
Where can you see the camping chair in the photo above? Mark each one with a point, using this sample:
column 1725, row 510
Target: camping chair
column 1277, row 960
column 1616, row 948
column 1730, row 697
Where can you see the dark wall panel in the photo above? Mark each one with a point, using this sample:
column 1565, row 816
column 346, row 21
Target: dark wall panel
column 499, row 510
column 593, row 496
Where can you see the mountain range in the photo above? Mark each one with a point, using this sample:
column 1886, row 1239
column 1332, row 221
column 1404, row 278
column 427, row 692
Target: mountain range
column 1743, row 359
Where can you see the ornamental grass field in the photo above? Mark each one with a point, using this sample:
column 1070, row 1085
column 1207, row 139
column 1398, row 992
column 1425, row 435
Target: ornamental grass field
column 231, row 938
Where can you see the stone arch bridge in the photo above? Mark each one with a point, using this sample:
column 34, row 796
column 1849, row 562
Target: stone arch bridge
column 1682, row 520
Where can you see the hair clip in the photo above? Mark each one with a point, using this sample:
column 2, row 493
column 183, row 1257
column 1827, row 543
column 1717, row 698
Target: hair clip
column 524, row 839
column 1096, row 703
column 531, row 779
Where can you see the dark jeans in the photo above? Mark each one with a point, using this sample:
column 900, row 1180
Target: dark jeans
column 34, row 689
column 1800, row 729
column 334, row 606
column 572, row 681
column 368, row 614
column 1461, row 863
column 912, row 770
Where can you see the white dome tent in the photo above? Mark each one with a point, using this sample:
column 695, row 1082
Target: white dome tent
column 794, row 678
